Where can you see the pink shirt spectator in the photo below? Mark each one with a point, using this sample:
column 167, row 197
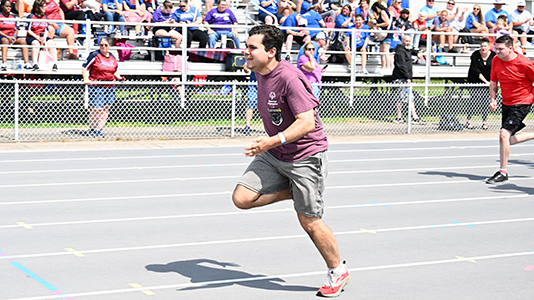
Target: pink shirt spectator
column 314, row 77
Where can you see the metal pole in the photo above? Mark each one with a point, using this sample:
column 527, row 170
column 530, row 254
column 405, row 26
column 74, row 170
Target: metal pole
column 88, row 35
column 184, row 66
column 409, row 91
column 353, row 67
column 428, row 60
column 16, row 111
column 232, row 128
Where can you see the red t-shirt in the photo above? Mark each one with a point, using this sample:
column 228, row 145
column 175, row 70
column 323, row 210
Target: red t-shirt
column 101, row 68
column 516, row 78
column 37, row 27
column 8, row 27
column 421, row 26
column 52, row 10
column 282, row 94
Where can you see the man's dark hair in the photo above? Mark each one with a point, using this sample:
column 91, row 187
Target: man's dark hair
column 405, row 11
column 359, row 16
column 484, row 40
column 506, row 40
column 167, row 4
column 272, row 38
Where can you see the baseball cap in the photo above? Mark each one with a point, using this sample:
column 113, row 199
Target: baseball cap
column 521, row 3
column 320, row 36
column 503, row 2
column 303, row 22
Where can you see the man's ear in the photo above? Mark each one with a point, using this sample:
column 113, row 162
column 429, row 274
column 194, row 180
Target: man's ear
column 271, row 53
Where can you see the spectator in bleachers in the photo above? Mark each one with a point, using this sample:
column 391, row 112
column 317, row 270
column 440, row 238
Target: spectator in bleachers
column 383, row 22
column 19, row 7
column 163, row 15
column 112, row 10
column 191, row 15
column 151, row 5
column 306, row 6
column 134, row 11
column 475, row 21
column 270, row 6
column 419, row 25
column 354, row 3
column 36, row 33
column 320, row 44
column 362, row 40
column 54, row 12
column 479, row 72
column 364, row 10
column 492, row 15
column 290, row 35
column 327, row 9
column 310, row 67
column 431, row 12
column 345, row 20
column 395, row 8
column 221, row 15
column 521, row 22
column 8, row 35
column 442, row 24
column 501, row 28
column 100, row 65
column 286, row 8
column 314, row 21
column 95, row 6
column 406, row 27
column 72, row 11
column 456, row 18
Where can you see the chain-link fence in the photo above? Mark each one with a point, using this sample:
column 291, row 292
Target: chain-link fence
column 59, row 110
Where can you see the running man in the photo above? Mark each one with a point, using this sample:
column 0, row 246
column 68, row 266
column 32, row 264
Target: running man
column 291, row 162
column 515, row 73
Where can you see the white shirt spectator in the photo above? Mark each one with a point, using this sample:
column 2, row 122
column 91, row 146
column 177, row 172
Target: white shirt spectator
column 458, row 23
column 517, row 16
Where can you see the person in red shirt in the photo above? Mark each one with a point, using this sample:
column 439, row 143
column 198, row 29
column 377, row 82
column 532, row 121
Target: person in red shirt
column 54, row 12
column 100, row 65
column 36, row 34
column 515, row 73
column 8, row 35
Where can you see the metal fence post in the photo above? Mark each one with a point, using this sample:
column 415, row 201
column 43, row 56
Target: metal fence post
column 428, row 60
column 410, row 101
column 88, row 35
column 232, row 128
column 353, row 67
column 16, row 111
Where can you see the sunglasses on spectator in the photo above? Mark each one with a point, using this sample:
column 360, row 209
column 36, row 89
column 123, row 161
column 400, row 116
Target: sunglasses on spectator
column 429, row 0
column 310, row 49
column 451, row 3
column 104, row 45
column 182, row 6
column 520, row 6
column 476, row 8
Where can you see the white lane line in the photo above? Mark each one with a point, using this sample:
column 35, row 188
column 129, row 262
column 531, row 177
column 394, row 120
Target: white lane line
column 241, row 154
column 268, row 238
column 263, row 211
column 118, row 181
column 238, row 176
column 285, row 276
column 246, row 164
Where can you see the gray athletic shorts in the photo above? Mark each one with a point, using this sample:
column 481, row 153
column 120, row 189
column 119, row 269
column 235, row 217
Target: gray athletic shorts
column 305, row 178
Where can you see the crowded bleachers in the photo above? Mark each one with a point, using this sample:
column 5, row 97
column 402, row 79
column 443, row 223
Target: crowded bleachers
column 140, row 36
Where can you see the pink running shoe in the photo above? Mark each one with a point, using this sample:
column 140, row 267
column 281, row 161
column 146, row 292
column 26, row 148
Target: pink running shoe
column 334, row 283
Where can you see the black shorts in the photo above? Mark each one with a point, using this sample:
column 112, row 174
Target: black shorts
column 513, row 116
column 298, row 39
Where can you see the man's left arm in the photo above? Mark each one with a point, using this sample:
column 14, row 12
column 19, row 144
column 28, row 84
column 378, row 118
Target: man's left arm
column 304, row 123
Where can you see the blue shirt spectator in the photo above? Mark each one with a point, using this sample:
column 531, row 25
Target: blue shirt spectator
column 343, row 17
column 491, row 16
column 359, row 36
column 430, row 11
column 314, row 21
column 187, row 16
column 469, row 21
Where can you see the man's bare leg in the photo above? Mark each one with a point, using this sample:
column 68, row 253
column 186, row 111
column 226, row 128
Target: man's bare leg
column 245, row 198
column 323, row 238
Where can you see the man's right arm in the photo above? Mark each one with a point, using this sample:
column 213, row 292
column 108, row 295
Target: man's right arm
column 493, row 95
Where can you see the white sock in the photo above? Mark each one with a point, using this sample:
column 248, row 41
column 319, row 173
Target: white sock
column 341, row 269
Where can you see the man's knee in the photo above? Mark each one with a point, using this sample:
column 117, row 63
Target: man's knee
column 241, row 198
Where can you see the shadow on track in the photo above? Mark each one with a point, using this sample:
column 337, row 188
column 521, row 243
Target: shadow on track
column 217, row 274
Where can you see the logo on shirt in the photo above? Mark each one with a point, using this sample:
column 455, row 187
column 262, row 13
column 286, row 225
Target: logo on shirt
column 272, row 95
column 276, row 116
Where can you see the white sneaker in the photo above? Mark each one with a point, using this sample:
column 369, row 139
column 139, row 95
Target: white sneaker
column 334, row 284
column 364, row 71
column 3, row 67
